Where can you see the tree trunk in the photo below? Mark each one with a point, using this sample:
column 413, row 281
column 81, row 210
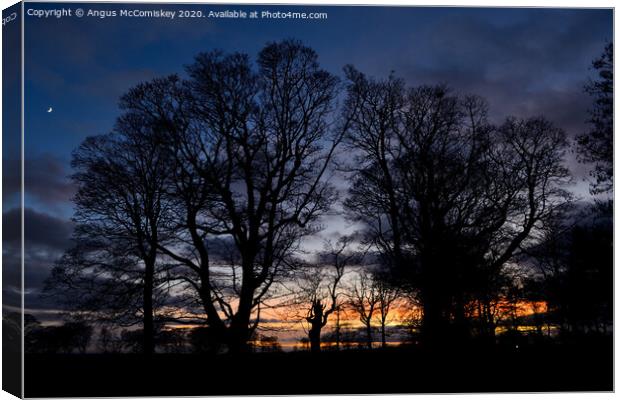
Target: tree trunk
column 488, row 322
column 369, row 335
column 238, row 340
column 315, row 337
column 338, row 330
column 148, row 340
column 460, row 331
column 238, row 335
column 239, row 331
column 435, row 322
column 383, row 341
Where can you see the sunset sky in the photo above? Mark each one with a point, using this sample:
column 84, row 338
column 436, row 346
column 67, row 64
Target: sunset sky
column 525, row 62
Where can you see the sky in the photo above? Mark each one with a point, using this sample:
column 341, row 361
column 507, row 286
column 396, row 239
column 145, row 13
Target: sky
column 525, row 62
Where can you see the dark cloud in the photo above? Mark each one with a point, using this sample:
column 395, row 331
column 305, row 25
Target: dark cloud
column 530, row 66
column 533, row 64
column 42, row 231
column 11, row 180
column 46, row 238
column 46, row 179
column 36, row 271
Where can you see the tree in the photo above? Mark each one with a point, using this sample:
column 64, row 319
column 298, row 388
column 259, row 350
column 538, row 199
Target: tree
column 109, row 341
column 575, row 263
column 387, row 295
column 209, row 182
column 65, row 338
column 251, row 150
column 266, row 344
column 172, row 340
column 320, row 286
column 446, row 198
column 121, row 209
column 596, row 146
column 364, row 300
column 31, row 327
column 202, row 340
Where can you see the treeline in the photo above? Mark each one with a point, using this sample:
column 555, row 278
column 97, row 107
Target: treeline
column 195, row 208
column 79, row 337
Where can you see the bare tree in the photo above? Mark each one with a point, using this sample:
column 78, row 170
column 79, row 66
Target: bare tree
column 121, row 210
column 251, row 150
column 237, row 157
column 447, row 198
column 573, row 264
column 321, row 284
column 364, row 300
column 387, row 296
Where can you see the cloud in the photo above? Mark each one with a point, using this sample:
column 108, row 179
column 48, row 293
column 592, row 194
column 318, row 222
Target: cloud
column 46, row 238
column 11, row 179
column 530, row 66
column 46, row 179
column 534, row 63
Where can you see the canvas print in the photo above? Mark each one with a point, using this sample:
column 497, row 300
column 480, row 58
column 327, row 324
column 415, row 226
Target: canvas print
column 297, row 199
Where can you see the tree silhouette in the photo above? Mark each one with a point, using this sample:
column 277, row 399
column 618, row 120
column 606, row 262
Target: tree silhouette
column 65, row 338
column 364, row 300
column 109, row 341
column 447, row 198
column 596, row 146
column 320, row 286
column 251, row 150
column 121, row 209
column 574, row 260
column 231, row 157
column 265, row 344
column 387, row 296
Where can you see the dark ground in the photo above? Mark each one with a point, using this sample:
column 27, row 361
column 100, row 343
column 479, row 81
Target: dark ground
column 533, row 368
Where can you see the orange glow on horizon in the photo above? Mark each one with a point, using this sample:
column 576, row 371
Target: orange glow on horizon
column 288, row 320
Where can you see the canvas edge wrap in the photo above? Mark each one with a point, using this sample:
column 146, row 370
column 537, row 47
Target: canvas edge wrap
column 12, row 163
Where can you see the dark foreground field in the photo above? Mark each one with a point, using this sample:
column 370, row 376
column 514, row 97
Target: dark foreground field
column 500, row 369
